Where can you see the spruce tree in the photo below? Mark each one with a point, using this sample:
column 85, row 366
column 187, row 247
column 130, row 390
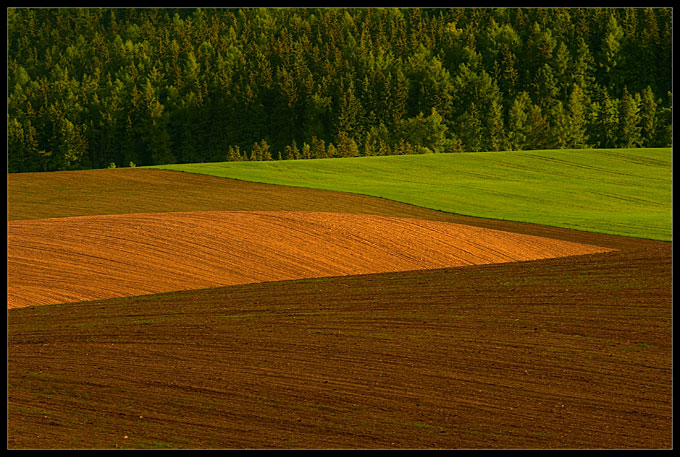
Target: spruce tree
column 648, row 119
column 294, row 150
column 317, row 148
column 630, row 132
column 347, row 147
column 577, row 119
column 605, row 127
column 538, row 131
column 306, row 151
column 518, row 121
column 496, row 136
column 331, row 151
column 255, row 152
column 264, row 152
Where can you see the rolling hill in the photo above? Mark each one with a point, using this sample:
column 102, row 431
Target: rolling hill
column 619, row 191
column 565, row 352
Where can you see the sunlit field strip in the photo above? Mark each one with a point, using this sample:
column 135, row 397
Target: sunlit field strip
column 621, row 191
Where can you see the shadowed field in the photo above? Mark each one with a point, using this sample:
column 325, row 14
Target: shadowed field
column 570, row 352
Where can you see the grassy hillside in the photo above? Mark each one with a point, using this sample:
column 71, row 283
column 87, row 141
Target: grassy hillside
column 617, row 191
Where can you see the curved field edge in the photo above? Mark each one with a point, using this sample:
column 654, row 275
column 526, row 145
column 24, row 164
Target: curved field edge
column 141, row 190
column 625, row 192
column 557, row 353
column 96, row 257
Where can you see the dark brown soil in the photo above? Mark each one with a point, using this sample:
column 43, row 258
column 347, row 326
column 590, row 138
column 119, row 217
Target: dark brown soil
column 563, row 353
column 573, row 352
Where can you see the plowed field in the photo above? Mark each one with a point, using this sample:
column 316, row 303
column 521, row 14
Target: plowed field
column 556, row 353
column 564, row 352
column 97, row 257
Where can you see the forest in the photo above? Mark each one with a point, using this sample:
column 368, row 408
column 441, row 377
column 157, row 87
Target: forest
column 106, row 87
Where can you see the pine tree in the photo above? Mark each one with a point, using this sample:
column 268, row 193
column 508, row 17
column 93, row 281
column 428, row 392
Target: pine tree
column 288, row 153
column 605, row 126
column 349, row 110
column 540, row 44
column 306, row 151
column 664, row 125
column 583, row 67
column 577, row 119
column 610, row 55
column 255, row 152
column 331, row 151
column 317, row 148
column 470, row 129
column 294, row 150
column 538, row 132
column 68, row 146
column 232, row 155
column 630, row 134
column 560, row 66
column 399, row 91
column 384, row 148
column 647, row 117
column 18, row 155
column 517, row 122
column 154, row 132
column 368, row 147
column 347, row 147
column 558, row 126
column 496, row 135
column 545, row 87
column 509, row 76
column 264, row 151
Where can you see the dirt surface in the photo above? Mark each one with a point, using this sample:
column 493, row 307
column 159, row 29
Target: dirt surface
column 574, row 352
column 570, row 352
column 97, row 257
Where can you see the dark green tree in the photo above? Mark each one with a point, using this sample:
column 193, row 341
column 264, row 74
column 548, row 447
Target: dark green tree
column 630, row 132
column 648, row 117
column 577, row 119
column 605, row 125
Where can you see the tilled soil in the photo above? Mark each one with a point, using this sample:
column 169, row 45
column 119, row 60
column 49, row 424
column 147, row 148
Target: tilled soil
column 96, row 257
column 570, row 352
column 574, row 352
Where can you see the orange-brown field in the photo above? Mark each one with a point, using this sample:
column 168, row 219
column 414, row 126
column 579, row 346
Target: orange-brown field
column 96, row 257
column 294, row 318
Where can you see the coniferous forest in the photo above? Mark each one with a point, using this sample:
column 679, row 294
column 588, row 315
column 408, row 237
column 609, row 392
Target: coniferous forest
column 97, row 87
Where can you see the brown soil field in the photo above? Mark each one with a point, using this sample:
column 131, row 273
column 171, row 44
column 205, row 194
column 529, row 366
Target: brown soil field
column 97, row 257
column 573, row 352
column 562, row 353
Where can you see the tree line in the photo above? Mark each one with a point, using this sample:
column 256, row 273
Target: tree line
column 94, row 87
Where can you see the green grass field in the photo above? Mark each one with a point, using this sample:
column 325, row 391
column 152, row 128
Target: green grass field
column 616, row 191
